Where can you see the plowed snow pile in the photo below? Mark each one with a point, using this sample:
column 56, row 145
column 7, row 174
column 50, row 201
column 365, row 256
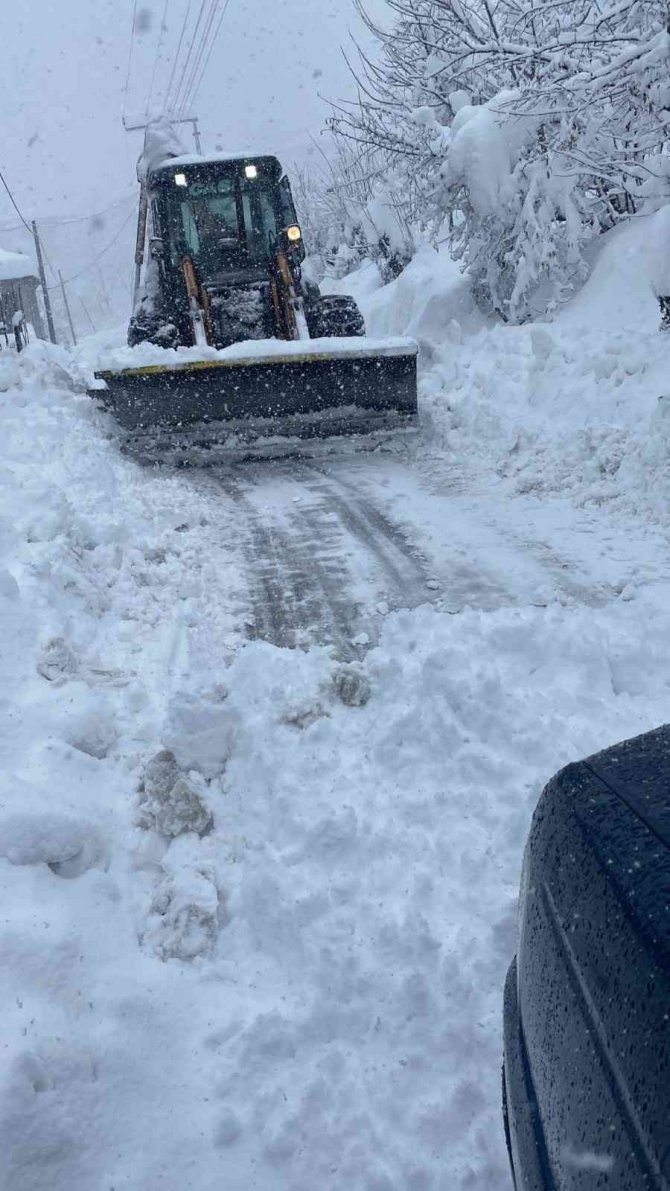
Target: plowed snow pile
column 257, row 906
column 578, row 405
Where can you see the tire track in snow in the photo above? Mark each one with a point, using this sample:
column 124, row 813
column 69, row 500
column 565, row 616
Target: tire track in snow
column 402, row 563
column 473, row 583
column 320, row 559
column 462, row 583
column 297, row 584
column 564, row 574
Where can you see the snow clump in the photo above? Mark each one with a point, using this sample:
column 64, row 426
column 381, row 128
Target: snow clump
column 352, row 685
column 171, row 802
column 68, row 846
column 183, row 918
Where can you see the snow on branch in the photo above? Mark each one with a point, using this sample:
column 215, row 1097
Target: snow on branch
column 520, row 130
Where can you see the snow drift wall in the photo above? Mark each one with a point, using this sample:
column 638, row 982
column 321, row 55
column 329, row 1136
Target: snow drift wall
column 579, row 404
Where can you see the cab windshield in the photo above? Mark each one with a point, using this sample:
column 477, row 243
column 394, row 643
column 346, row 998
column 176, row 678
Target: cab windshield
column 224, row 223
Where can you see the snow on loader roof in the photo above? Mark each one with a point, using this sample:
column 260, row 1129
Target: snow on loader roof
column 163, row 149
column 207, row 158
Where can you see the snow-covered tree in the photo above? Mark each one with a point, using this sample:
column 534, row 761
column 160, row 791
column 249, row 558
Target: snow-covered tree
column 519, row 129
column 352, row 212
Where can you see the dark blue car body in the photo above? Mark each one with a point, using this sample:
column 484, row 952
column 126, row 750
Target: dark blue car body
column 587, row 998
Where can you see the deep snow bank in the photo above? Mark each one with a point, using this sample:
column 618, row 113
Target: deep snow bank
column 257, row 908
column 576, row 405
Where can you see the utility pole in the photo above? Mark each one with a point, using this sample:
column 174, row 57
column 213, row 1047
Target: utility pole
column 132, row 125
column 67, row 308
column 43, row 282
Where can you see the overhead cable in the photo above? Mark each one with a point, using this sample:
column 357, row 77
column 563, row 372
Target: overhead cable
column 159, row 47
column 166, row 98
column 204, row 41
column 189, row 53
column 100, row 255
column 46, row 257
column 56, row 221
column 203, row 72
column 13, row 202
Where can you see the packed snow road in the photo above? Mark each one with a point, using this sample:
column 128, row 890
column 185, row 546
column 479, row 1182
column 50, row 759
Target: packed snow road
column 322, row 561
column 328, row 547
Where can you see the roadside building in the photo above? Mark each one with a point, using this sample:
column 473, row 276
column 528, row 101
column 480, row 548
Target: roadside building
column 18, row 292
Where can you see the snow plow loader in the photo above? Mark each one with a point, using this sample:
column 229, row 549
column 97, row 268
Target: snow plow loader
column 233, row 343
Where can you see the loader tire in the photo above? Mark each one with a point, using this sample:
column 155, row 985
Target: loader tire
column 335, row 316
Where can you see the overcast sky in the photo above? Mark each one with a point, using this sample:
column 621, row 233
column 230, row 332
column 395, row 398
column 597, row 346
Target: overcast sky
column 63, row 150
column 64, row 64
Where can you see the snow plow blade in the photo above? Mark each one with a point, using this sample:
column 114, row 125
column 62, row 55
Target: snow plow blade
column 271, row 389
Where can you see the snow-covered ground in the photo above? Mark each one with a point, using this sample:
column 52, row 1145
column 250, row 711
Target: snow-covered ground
column 259, row 901
column 580, row 405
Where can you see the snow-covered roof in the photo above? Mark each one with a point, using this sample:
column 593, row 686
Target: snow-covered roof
column 15, row 265
column 202, row 158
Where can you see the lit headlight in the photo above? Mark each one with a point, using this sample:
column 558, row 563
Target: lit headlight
column 251, row 171
column 294, row 234
column 180, row 180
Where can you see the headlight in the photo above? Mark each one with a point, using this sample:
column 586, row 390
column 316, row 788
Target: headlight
column 180, row 180
column 251, row 171
column 294, row 234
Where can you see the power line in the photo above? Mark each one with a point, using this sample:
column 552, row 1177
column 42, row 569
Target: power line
column 189, row 53
column 202, row 47
column 13, row 202
column 11, row 227
column 200, row 51
column 166, row 99
column 53, row 271
column 100, row 255
column 158, row 54
column 56, row 221
column 209, row 54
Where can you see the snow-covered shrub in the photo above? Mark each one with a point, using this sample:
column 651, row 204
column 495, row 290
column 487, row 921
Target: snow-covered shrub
column 352, row 212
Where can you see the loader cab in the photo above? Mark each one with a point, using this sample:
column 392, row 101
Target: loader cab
column 226, row 214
